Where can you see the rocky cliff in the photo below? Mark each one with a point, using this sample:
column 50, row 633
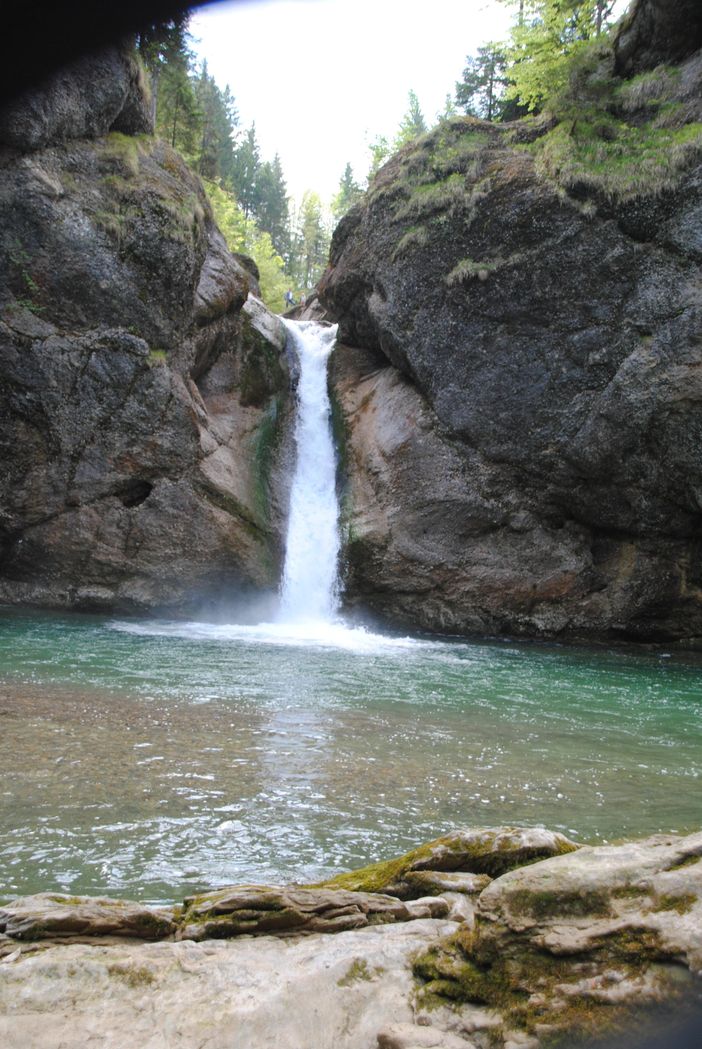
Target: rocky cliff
column 143, row 389
column 519, row 373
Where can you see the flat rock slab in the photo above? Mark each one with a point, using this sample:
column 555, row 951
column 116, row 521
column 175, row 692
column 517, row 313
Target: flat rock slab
column 313, row 992
column 255, row 909
column 50, row 915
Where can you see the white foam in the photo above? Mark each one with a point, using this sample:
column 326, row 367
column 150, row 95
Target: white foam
column 315, row 634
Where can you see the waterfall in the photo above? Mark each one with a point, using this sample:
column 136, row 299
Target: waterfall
column 310, row 586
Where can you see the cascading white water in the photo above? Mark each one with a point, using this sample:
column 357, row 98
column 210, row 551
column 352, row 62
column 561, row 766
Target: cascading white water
column 309, row 602
column 310, row 588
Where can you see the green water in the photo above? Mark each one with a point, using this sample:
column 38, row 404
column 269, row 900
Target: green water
column 151, row 761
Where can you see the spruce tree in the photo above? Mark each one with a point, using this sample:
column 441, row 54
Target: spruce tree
column 413, row 123
column 247, row 160
column 349, row 193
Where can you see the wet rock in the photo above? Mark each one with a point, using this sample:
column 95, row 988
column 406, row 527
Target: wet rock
column 484, row 850
column 48, row 916
column 412, row 1036
column 260, row 909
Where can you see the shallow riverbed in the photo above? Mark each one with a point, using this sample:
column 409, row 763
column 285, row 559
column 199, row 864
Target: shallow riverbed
column 150, row 759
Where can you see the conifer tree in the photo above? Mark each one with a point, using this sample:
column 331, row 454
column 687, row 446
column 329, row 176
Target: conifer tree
column 448, row 111
column 413, row 123
column 480, row 92
column 349, row 193
column 380, row 151
column 247, row 160
column 272, row 203
column 310, row 242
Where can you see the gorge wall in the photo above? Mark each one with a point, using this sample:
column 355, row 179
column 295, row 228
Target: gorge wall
column 519, row 374
column 143, row 390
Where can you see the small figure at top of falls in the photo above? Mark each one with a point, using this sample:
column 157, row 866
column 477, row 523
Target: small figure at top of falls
column 310, row 587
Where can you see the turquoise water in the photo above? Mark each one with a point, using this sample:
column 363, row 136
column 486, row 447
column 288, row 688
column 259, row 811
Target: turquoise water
column 155, row 759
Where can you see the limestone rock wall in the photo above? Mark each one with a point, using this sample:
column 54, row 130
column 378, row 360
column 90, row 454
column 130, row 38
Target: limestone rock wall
column 143, row 391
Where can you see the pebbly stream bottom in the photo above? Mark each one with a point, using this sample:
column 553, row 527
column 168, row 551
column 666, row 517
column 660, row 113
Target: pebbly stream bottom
column 150, row 760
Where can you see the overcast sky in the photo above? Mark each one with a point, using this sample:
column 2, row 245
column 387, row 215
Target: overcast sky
column 320, row 77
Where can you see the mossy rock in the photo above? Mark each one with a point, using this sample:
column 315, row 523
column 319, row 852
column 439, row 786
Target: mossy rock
column 487, row 850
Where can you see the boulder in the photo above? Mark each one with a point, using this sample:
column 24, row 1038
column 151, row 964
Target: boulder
column 654, row 32
column 437, row 882
column 48, row 916
column 639, row 900
column 476, row 851
column 254, row 909
column 326, row 992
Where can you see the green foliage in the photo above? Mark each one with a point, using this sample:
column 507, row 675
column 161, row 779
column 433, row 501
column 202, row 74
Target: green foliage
column 412, row 124
column 245, row 173
column 415, row 237
column 648, row 89
column 310, row 242
column 24, row 285
column 680, row 904
column 546, row 36
column 427, row 198
column 200, row 120
column 271, row 205
column 481, row 91
column 242, row 234
column 359, row 971
column 468, row 269
column 349, row 194
column 380, row 150
column 449, row 111
column 615, row 158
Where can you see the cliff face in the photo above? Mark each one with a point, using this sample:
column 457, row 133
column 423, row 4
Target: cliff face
column 143, row 396
column 520, row 375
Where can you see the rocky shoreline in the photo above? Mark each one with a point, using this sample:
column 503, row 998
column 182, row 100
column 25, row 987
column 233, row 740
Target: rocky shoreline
column 493, row 937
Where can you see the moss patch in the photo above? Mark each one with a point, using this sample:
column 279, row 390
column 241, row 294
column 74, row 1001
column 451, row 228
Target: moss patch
column 133, row 975
column 481, row 852
column 359, row 972
column 681, row 904
column 528, row 986
column 687, row 861
column 542, row 905
column 619, row 139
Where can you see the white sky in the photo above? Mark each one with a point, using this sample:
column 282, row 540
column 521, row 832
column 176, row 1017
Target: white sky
column 320, row 77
